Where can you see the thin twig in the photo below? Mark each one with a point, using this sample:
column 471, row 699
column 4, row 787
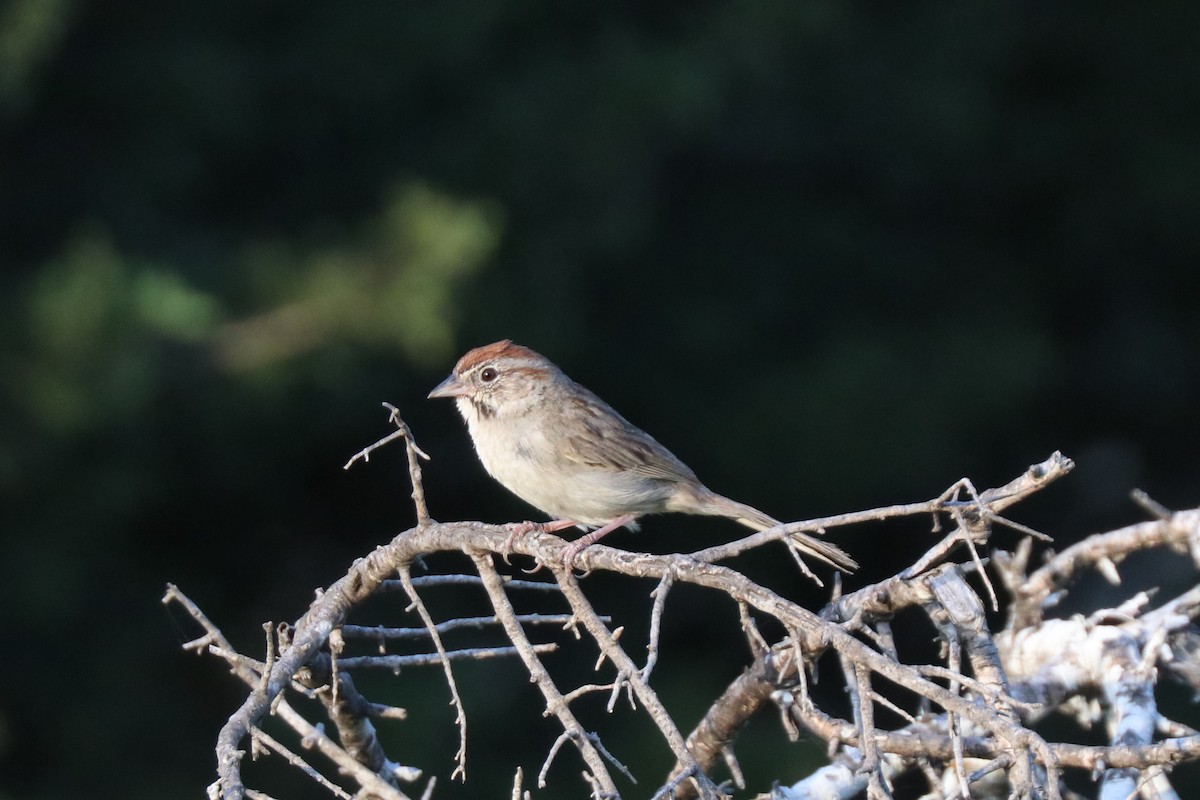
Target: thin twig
column 556, row 704
column 313, row 736
column 608, row 645
column 296, row 761
column 460, row 719
column 660, row 602
column 426, row 659
column 1052, row 579
column 460, row 623
column 468, row 580
column 414, row 453
column 1034, row 478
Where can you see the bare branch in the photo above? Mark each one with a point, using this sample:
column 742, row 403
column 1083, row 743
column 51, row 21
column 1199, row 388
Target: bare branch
column 414, row 455
column 314, row 737
column 608, row 645
column 1035, row 478
column 382, row 632
column 393, row 663
column 556, row 704
column 298, row 762
column 1178, row 531
column 460, row 718
column 660, row 603
column 969, row 724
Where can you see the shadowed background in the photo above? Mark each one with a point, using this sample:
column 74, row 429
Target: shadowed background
column 833, row 255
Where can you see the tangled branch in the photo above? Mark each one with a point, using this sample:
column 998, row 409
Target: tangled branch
column 974, row 722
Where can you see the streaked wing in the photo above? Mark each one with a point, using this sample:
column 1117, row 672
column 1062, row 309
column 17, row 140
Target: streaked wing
column 597, row 442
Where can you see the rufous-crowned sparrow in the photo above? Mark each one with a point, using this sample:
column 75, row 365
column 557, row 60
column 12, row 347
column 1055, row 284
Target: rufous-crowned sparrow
column 562, row 449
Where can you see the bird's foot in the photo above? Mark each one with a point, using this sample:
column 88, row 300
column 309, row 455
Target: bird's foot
column 584, row 542
column 572, row 550
column 519, row 530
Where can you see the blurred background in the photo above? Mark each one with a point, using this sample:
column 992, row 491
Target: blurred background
column 834, row 255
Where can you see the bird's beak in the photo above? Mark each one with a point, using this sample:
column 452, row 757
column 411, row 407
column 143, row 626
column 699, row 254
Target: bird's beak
column 451, row 387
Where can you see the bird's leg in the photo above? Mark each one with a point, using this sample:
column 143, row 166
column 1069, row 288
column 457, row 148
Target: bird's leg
column 587, row 540
column 517, row 530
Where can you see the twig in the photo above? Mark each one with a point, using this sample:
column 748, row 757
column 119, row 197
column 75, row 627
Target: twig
column 660, row 602
column 625, row 665
column 733, row 710
column 426, row 659
column 928, row 739
column 296, row 761
column 351, row 713
column 414, row 453
column 256, row 795
column 994, row 765
column 676, row 781
column 556, row 704
column 735, row 548
column 594, row 738
column 460, row 719
column 563, row 738
column 1114, row 546
column 758, row 643
column 864, row 709
column 1034, row 478
column 346, row 763
column 592, row 688
column 1150, row 505
column 460, row 623
column 468, row 580
column 312, row 736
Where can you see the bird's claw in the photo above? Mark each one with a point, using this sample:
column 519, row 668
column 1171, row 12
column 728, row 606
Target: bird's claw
column 516, row 530
column 568, row 558
column 519, row 530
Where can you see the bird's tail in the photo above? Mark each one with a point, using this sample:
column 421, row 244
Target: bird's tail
column 751, row 517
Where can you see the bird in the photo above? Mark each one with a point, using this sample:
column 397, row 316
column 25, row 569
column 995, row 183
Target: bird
column 563, row 450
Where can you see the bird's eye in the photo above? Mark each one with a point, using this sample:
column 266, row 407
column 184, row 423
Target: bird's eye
column 489, row 374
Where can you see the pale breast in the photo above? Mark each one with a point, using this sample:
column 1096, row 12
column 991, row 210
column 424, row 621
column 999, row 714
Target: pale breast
column 532, row 466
